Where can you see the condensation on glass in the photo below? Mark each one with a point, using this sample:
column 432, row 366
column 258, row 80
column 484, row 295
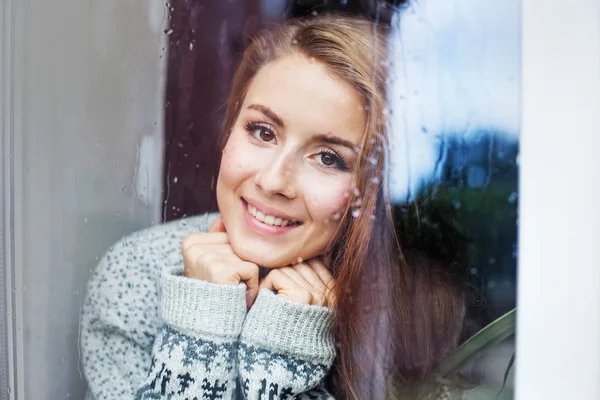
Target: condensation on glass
column 113, row 112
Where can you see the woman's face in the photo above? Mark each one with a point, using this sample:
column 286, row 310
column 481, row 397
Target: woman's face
column 288, row 166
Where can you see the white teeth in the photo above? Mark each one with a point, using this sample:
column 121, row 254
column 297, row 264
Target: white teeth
column 268, row 219
column 252, row 210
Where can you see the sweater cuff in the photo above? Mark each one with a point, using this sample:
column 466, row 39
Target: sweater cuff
column 202, row 308
column 284, row 326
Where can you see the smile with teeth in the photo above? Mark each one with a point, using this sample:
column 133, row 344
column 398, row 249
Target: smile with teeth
column 269, row 219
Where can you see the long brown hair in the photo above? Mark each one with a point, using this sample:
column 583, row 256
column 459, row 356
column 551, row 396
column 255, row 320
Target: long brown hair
column 396, row 313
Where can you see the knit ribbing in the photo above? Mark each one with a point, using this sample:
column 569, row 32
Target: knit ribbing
column 200, row 307
column 288, row 327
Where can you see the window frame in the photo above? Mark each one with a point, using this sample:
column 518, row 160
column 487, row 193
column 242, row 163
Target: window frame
column 558, row 293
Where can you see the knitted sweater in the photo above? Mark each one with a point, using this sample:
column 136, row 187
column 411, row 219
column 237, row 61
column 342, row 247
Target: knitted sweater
column 148, row 332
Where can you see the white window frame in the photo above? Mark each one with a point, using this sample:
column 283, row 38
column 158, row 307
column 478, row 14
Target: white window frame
column 558, row 323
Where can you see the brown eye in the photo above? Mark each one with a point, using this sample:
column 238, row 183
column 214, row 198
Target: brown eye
column 331, row 159
column 265, row 135
column 328, row 159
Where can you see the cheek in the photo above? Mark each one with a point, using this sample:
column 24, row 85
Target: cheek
column 325, row 200
column 235, row 163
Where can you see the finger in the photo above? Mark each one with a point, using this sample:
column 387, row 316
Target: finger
column 317, row 296
column 298, row 278
column 286, row 287
column 217, row 226
column 322, row 271
column 248, row 273
column 309, row 275
column 204, row 238
column 325, row 276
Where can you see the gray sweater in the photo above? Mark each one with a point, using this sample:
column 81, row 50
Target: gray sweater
column 148, row 332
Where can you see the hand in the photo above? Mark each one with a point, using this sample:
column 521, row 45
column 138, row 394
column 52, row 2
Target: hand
column 307, row 282
column 209, row 257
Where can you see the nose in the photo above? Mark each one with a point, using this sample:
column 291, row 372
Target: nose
column 277, row 177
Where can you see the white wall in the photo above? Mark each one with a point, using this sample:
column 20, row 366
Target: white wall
column 87, row 116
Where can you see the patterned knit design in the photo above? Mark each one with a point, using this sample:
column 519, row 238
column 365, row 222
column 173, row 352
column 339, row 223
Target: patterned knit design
column 147, row 332
column 185, row 367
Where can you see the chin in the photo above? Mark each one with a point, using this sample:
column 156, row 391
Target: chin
column 263, row 257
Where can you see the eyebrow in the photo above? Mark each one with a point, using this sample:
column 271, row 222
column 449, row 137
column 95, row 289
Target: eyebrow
column 334, row 140
column 268, row 113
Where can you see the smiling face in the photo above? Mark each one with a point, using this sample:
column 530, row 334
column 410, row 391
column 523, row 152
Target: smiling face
column 288, row 165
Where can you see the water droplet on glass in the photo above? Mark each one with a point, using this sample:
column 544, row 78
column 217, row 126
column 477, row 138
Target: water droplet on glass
column 513, row 197
column 356, row 213
column 375, row 179
column 175, row 180
column 191, row 46
column 85, row 220
column 169, row 31
column 314, row 13
column 473, row 271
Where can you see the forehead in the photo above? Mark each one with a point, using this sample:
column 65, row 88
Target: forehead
column 308, row 98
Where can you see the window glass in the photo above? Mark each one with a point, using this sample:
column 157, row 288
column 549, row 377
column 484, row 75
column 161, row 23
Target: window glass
column 377, row 148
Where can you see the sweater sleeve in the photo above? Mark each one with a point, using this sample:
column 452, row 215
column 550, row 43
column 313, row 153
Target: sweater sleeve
column 286, row 349
column 149, row 338
column 195, row 355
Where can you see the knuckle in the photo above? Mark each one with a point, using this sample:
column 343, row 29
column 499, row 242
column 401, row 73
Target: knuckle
column 253, row 268
column 276, row 273
column 186, row 243
column 308, row 296
column 319, row 299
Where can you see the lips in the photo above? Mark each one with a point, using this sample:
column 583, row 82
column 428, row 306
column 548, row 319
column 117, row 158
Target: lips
column 266, row 220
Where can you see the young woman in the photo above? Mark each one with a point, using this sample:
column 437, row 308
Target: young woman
column 298, row 288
